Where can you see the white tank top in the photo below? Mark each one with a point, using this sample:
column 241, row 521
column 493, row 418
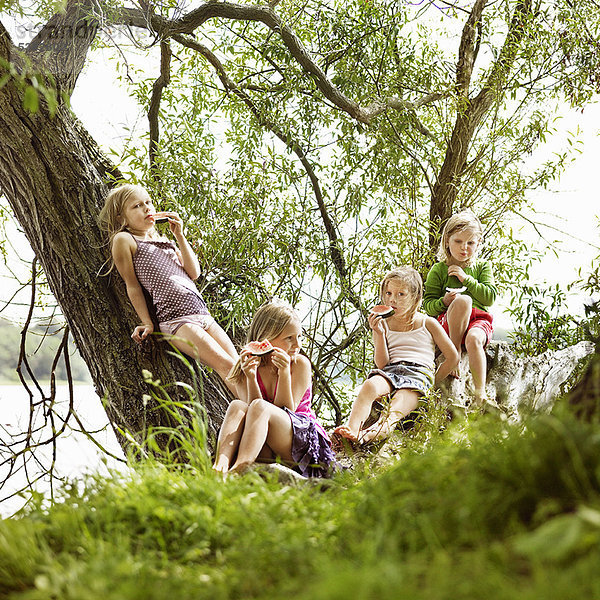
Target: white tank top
column 415, row 346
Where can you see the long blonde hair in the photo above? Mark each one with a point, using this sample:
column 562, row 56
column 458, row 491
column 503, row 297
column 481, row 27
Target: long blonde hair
column 268, row 322
column 412, row 280
column 462, row 221
column 110, row 218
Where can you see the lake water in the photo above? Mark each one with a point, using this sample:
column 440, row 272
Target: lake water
column 75, row 453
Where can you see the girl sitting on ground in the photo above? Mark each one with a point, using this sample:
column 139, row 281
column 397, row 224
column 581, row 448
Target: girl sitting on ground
column 278, row 423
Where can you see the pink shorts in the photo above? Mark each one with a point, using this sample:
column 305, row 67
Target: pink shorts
column 479, row 318
column 170, row 327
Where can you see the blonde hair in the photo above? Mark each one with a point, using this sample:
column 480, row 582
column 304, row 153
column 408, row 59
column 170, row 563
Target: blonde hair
column 110, row 218
column 412, row 280
column 462, row 221
column 268, row 322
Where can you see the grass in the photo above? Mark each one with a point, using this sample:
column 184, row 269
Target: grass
column 482, row 510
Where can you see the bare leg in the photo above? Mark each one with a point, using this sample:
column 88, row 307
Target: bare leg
column 221, row 337
column 266, row 424
column 370, row 390
column 459, row 313
column 230, row 435
column 209, row 348
column 402, row 404
column 475, row 344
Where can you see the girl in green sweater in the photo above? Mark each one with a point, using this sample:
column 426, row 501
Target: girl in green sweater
column 459, row 291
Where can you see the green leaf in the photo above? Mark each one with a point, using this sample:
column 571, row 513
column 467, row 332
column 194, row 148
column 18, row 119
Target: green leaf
column 556, row 540
column 31, row 101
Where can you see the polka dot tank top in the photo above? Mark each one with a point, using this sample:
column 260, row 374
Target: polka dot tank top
column 159, row 271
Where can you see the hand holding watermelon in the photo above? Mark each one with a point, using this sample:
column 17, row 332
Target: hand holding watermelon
column 281, row 360
column 259, row 348
column 382, row 311
column 376, row 316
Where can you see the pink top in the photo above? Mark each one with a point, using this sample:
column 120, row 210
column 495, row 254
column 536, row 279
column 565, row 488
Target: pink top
column 303, row 408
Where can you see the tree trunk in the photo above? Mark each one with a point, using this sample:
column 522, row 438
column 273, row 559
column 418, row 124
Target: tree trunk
column 584, row 398
column 55, row 179
column 520, row 385
column 471, row 111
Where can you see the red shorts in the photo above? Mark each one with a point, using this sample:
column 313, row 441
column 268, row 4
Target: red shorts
column 479, row 318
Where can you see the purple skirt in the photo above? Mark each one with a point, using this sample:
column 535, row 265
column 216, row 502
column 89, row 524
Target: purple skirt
column 311, row 450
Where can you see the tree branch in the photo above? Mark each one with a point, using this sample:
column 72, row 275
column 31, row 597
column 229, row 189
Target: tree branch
column 467, row 49
column 160, row 84
column 446, row 187
column 61, row 46
column 335, row 244
column 266, row 15
column 503, row 66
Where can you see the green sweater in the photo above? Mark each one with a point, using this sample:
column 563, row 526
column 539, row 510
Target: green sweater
column 479, row 283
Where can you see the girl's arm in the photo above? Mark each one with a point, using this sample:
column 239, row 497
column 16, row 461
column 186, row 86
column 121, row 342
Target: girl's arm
column 481, row 285
column 294, row 378
column 188, row 259
column 381, row 355
column 123, row 248
column 446, row 346
column 435, row 290
column 249, row 365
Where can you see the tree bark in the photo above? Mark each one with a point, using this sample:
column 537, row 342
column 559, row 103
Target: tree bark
column 519, row 385
column 472, row 110
column 584, row 398
column 55, row 179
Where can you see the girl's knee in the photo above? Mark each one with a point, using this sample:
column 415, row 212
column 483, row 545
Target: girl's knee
column 461, row 303
column 404, row 402
column 237, row 407
column 258, row 406
column 370, row 389
column 475, row 340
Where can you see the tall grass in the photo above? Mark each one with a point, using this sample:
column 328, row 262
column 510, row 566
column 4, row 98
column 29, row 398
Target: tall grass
column 185, row 441
column 482, row 510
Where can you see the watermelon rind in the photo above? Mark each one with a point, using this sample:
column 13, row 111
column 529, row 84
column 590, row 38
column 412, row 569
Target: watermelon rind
column 383, row 311
column 457, row 290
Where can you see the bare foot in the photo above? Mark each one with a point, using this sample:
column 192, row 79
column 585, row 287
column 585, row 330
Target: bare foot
column 221, row 470
column 491, row 406
column 455, row 373
column 221, row 466
column 375, row 433
column 346, row 432
column 480, row 399
column 240, row 468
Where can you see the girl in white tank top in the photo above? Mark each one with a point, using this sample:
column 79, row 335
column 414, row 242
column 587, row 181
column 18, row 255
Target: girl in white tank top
column 404, row 358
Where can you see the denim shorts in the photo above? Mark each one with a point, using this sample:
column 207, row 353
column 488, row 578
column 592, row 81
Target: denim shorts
column 405, row 375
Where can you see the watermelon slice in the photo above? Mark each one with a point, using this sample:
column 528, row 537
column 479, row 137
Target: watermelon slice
column 382, row 310
column 259, row 348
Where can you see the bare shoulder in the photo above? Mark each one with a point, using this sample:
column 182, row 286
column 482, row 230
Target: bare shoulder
column 433, row 325
column 301, row 365
column 123, row 241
